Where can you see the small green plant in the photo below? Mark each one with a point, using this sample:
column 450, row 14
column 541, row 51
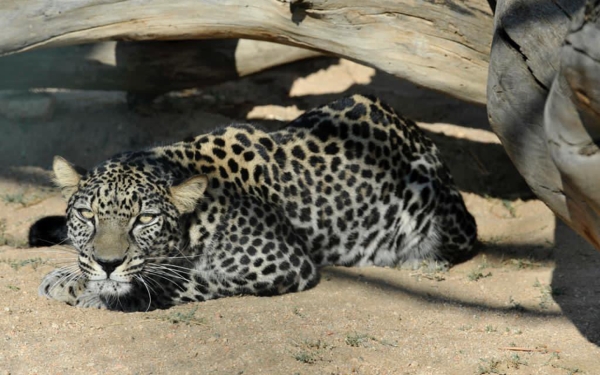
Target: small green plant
column 14, row 288
column 432, row 276
column 306, row 357
column 384, row 342
column 187, row 318
column 516, row 361
column 297, row 312
column 316, row 344
column 509, row 207
column 17, row 198
column 488, row 366
column 356, row 339
column 524, row 263
column 3, row 238
column 484, row 263
column 310, row 351
column 17, row 264
column 547, row 292
column 555, row 356
column 570, row 370
column 475, row 275
column 28, row 196
column 490, row 329
column 499, row 366
column 494, row 240
column 6, row 239
column 514, row 305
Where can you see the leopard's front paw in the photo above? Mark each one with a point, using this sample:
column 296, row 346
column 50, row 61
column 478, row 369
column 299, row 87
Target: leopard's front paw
column 62, row 285
column 91, row 301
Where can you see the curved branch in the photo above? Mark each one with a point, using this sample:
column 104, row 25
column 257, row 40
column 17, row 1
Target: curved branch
column 438, row 45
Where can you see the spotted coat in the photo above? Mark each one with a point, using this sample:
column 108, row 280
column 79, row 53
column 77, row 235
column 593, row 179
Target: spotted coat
column 243, row 211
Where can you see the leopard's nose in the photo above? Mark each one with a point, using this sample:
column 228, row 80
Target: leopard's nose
column 109, row 265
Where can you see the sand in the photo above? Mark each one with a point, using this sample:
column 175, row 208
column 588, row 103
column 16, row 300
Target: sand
column 528, row 303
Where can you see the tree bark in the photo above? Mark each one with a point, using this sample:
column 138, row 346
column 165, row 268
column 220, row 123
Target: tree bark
column 524, row 61
column 572, row 122
column 544, row 103
column 148, row 68
column 440, row 45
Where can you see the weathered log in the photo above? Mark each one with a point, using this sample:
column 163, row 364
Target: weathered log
column 144, row 67
column 572, row 123
column 440, row 45
column 556, row 151
column 524, row 61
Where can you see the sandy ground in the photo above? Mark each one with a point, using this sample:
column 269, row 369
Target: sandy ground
column 527, row 304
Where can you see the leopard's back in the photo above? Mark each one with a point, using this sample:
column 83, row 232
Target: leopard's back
column 243, row 211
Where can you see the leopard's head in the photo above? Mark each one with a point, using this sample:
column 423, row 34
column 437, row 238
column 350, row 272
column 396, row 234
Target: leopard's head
column 124, row 219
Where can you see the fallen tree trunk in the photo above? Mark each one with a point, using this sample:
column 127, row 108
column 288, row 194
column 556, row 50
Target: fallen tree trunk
column 572, row 123
column 525, row 57
column 443, row 46
column 144, row 67
column 544, row 103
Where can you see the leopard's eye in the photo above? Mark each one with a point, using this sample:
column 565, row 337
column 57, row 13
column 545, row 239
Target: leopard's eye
column 146, row 218
column 85, row 213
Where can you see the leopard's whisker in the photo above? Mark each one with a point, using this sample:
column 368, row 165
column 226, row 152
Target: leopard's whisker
column 59, row 261
column 141, row 279
column 168, row 265
column 182, row 254
column 180, row 274
column 149, row 279
column 163, row 273
column 52, row 250
column 167, row 257
column 70, row 275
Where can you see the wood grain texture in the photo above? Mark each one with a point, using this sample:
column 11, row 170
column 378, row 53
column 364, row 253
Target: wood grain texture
column 518, row 87
column 440, row 45
column 544, row 103
column 572, row 122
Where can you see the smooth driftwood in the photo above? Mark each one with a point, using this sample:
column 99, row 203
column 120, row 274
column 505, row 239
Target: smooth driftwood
column 543, row 102
column 440, row 45
column 523, row 63
column 572, row 122
column 144, row 67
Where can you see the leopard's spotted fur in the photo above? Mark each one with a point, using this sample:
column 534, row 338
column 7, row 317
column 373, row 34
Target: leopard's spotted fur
column 242, row 211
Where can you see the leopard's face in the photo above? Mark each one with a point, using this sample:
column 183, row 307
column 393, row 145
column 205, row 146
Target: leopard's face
column 123, row 226
column 124, row 217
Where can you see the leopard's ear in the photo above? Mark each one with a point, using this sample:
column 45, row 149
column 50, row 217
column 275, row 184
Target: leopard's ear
column 187, row 194
column 66, row 176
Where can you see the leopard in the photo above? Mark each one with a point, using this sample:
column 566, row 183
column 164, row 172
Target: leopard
column 242, row 211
